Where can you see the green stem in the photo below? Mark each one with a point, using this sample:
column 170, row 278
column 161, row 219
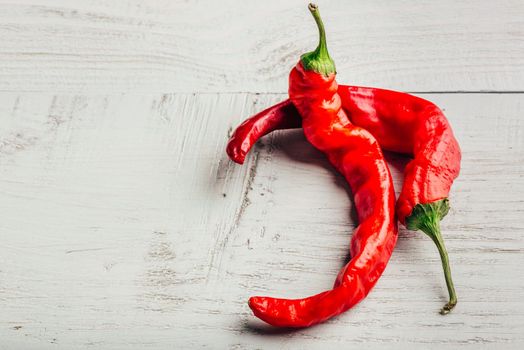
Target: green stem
column 426, row 217
column 436, row 236
column 322, row 45
column 318, row 60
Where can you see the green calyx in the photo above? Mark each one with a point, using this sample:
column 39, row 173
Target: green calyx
column 318, row 60
column 426, row 217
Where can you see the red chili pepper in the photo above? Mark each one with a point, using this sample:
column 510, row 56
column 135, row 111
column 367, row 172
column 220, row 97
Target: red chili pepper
column 248, row 133
column 357, row 155
column 412, row 125
column 401, row 123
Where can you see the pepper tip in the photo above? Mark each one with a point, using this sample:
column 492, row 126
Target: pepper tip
column 257, row 304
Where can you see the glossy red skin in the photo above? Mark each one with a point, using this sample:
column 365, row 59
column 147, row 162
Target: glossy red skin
column 270, row 119
column 357, row 155
column 283, row 115
column 408, row 124
column 401, row 123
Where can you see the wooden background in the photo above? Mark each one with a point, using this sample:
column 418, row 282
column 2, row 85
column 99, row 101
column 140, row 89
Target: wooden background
column 125, row 226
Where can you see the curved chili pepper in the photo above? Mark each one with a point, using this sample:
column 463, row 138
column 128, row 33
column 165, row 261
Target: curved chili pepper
column 356, row 154
column 401, row 123
column 248, row 133
column 413, row 125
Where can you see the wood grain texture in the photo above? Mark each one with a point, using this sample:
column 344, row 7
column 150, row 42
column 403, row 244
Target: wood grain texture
column 238, row 46
column 124, row 226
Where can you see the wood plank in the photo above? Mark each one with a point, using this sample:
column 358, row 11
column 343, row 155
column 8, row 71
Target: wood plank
column 125, row 226
column 230, row 46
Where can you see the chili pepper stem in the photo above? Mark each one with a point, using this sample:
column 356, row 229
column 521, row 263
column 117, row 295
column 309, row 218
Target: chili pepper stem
column 426, row 217
column 318, row 60
column 439, row 242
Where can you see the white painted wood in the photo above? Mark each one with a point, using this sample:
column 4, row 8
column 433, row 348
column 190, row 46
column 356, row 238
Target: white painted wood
column 237, row 46
column 124, row 226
